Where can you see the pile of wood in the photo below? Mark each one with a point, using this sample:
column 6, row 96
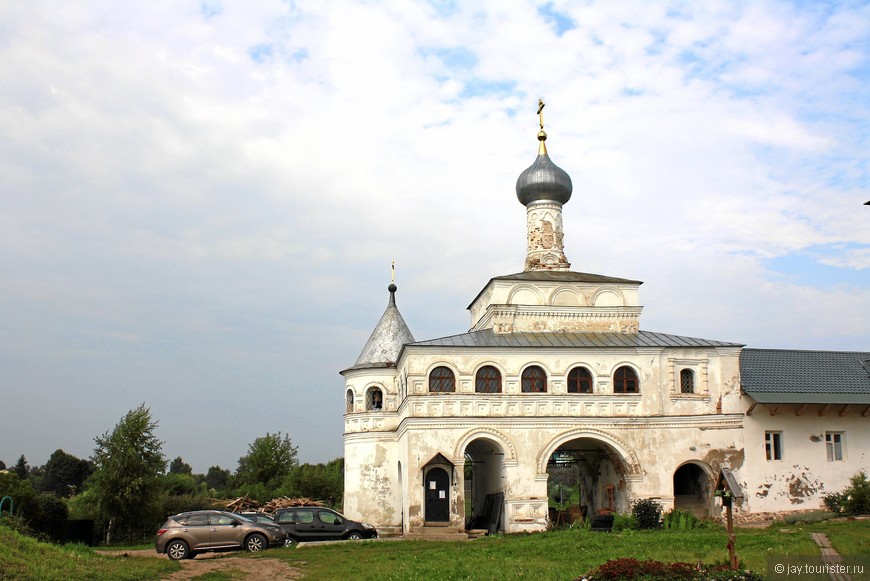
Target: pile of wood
column 241, row 504
column 285, row 502
column 248, row 504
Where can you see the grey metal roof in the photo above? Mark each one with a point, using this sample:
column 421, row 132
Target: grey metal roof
column 487, row 338
column 792, row 376
column 386, row 341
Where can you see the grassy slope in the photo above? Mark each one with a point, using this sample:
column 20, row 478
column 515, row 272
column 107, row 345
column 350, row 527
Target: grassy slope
column 560, row 555
column 23, row 558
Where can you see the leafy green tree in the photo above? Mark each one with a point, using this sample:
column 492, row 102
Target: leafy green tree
column 179, row 466
column 64, row 474
column 22, row 469
column 128, row 463
column 217, row 478
column 268, row 461
column 317, row 481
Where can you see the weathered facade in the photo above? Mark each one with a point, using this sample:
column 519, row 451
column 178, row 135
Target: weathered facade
column 555, row 387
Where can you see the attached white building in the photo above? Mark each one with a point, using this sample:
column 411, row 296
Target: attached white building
column 556, row 383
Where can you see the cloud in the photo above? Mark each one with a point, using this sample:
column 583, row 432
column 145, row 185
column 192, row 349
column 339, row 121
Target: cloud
column 201, row 201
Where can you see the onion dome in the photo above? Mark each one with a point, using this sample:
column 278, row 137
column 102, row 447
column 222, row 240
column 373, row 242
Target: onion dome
column 543, row 180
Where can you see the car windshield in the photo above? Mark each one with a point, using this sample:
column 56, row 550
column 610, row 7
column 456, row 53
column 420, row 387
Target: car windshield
column 244, row 518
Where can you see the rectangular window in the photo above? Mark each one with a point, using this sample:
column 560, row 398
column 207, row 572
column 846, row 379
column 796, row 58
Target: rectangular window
column 834, row 446
column 773, row 445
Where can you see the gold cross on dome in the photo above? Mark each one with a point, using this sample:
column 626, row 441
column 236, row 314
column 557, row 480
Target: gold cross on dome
column 541, row 112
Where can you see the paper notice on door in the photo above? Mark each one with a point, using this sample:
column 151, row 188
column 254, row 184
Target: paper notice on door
column 432, row 485
column 442, row 494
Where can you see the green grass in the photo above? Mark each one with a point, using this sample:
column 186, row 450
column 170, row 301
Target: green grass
column 561, row 555
column 557, row 555
column 23, row 558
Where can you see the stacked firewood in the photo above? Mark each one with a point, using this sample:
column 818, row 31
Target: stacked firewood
column 241, row 504
column 284, row 502
column 248, row 504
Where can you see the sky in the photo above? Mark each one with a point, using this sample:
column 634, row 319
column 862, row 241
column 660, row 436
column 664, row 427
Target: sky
column 200, row 200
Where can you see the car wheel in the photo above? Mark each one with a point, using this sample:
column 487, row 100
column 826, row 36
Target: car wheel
column 290, row 542
column 354, row 536
column 177, row 550
column 256, row 542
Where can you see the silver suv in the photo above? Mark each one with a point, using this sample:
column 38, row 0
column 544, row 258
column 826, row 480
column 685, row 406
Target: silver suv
column 184, row 535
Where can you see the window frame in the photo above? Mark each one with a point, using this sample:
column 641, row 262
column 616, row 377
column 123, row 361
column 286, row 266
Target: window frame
column 541, row 380
column 577, row 383
column 620, row 384
column 835, row 446
column 690, row 374
column 370, row 399
column 773, row 448
column 448, row 376
column 487, row 381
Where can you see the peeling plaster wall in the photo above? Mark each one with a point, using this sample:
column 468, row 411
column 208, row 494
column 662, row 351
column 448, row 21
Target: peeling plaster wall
column 649, row 435
column 798, row 481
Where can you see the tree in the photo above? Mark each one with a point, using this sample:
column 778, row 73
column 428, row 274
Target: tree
column 217, row 478
column 22, row 469
column 318, row 481
column 128, row 462
column 269, row 460
column 2, row 465
column 179, row 466
column 64, row 474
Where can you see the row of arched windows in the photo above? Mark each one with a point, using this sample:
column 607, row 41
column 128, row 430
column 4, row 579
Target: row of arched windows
column 533, row 380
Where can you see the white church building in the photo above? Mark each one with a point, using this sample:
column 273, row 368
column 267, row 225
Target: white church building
column 556, row 387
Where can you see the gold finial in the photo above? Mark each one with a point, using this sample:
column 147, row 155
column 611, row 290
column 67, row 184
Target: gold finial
column 542, row 135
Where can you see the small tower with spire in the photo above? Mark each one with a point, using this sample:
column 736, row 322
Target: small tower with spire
column 543, row 188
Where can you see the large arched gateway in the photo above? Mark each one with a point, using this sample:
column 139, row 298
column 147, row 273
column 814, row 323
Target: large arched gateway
column 586, row 476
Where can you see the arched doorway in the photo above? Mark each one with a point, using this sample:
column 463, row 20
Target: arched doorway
column 437, row 495
column 692, row 489
column 484, row 485
column 586, row 477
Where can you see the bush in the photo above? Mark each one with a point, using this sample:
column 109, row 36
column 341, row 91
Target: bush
column 632, row 569
column 853, row 500
column 679, row 519
column 648, row 513
column 857, row 495
column 834, row 501
column 624, row 522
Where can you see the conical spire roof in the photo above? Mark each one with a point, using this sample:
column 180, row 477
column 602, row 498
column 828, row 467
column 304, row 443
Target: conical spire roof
column 386, row 341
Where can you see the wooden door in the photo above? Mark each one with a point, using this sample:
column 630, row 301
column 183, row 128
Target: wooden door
column 437, row 495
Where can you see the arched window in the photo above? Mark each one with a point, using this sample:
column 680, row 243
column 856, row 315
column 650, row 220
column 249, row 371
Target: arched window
column 579, row 380
column 625, row 380
column 488, row 380
column 687, row 381
column 534, row 380
column 349, row 400
column 375, row 400
column 442, row 380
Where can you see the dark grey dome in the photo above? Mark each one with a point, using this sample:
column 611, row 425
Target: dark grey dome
column 544, row 180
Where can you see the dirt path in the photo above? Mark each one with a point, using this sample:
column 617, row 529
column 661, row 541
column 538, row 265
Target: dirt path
column 262, row 569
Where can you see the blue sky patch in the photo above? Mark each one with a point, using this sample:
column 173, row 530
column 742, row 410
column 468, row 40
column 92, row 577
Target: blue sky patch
column 261, row 53
column 561, row 23
column 478, row 87
column 211, row 8
column 807, row 269
column 453, row 57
